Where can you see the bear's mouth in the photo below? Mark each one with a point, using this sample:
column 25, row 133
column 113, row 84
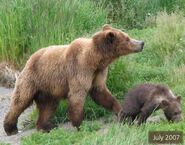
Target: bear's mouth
column 138, row 50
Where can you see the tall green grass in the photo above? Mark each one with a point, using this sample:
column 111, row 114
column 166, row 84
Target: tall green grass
column 101, row 133
column 27, row 25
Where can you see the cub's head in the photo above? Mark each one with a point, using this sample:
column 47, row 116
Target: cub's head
column 172, row 109
column 114, row 42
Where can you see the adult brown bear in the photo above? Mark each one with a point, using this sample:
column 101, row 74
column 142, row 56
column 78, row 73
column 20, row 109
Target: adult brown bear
column 69, row 71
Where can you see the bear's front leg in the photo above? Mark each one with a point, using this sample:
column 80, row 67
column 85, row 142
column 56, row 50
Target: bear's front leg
column 76, row 102
column 103, row 97
column 79, row 86
column 148, row 108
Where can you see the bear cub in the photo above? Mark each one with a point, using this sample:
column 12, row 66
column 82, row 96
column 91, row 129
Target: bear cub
column 144, row 99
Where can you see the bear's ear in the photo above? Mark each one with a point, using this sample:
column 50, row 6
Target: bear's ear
column 164, row 103
column 179, row 99
column 106, row 27
column 110, row 37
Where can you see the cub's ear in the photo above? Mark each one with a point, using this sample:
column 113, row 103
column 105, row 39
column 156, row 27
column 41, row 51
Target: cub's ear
column 164, row 103
column 110, row 37
column 179, row 98
column 106, row 27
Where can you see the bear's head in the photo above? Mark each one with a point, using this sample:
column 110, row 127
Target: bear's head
column 113, row 42
column 172, row 109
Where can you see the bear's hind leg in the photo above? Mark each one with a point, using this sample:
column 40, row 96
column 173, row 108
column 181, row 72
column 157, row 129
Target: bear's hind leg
column 124, row 117
column 21, row 99
column 46, row 106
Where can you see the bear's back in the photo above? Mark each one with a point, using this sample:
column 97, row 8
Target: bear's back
column 48, row 54
column 136, row 97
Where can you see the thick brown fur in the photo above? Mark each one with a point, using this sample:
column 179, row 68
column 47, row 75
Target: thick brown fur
column 144, row 99
column 69, row 71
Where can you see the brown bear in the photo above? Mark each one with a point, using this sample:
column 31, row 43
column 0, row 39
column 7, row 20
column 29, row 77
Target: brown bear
column 69, row 71
column 144, row 99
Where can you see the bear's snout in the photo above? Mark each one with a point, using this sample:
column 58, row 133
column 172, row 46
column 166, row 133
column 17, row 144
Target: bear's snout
column 142, row 45
column 177, row 118
column 138, row 45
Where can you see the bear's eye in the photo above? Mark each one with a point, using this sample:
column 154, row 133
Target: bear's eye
column 127, row 39
column 176, row 113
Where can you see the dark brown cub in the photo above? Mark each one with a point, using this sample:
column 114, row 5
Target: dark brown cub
column 144, row 99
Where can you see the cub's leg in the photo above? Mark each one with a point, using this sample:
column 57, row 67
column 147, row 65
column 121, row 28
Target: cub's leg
column 126, row 117
column 146, row 111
